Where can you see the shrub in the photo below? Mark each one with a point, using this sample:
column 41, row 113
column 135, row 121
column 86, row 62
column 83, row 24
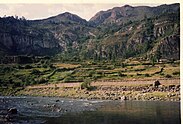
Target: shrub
column 162, row 74
column 147, row 75
column 142, row 69
column 84, row 85
column 68, row 79
column 51, row 66
column 176, row 73
column 168, row 76
column 56, row 87
column 121, row 74
column 17, row 84
column 42, row 80
column 35, row 71
column 44, row 65
column 91, row 73
column 42, row 61
column 28, row 67
column 139, row 74
column 6, row 69
column 19, row 67
column 28, row 80
column 87, row 84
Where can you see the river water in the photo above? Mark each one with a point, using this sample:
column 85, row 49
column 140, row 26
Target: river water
column 53, row 110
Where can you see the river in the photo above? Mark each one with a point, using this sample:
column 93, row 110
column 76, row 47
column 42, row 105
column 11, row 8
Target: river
column 54, row 110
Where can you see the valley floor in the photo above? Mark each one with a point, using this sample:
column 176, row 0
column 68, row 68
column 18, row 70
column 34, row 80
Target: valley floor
column 169, row 90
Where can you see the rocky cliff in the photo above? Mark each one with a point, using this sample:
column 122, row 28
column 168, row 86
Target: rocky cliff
column 19, row 37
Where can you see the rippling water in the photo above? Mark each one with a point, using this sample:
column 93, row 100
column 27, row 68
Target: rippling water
column 52, row 110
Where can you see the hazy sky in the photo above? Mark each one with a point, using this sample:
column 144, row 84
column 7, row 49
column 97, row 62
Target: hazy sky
column 39, row 11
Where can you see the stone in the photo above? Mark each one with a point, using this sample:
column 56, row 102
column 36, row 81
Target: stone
column 156, row 83
column 178, row 86
column 123, row 98
column 171, row 86
column 12, row 111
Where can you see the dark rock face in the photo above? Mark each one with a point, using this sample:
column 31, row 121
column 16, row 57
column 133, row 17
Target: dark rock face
column 19, row 37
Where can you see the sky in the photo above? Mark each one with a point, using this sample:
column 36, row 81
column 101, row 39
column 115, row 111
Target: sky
column 86, row 10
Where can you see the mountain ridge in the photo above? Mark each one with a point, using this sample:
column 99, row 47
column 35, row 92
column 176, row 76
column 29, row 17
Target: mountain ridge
column 125, row 11
column 119, row 32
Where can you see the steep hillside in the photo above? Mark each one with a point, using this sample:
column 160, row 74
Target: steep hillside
column 19, row 37
column 118, row 33
column 69, row 29
column 157, row 37
column 41, row 37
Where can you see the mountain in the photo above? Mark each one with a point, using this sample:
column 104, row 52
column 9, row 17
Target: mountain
column 40, row 37
column 117, row 33
column 137, row 31
column 64, row 17
column 20, row 37
column 128, row 13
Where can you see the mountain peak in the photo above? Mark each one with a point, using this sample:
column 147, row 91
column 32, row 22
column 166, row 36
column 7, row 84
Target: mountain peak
column 65, row 17
column 128, row 6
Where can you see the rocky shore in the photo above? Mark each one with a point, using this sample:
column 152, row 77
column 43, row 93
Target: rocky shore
column 146, row 92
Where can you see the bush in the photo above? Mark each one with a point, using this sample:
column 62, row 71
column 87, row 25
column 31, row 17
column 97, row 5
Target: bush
column 68, row 79
column 87, row 84
column 121, row 74
column 28, row 80
column 84, row 85
column 168, row 76
column 51, row 66
column 162, row 74
column 28, row 67
column 17, row 84
column 6, row 69
column 45, row 66
column 139, row 74
column 176, row 73
column 35, row 71
column 42, row 80
column 142, row 69
column 147, row 75
column 19, row 67
column 91, row 73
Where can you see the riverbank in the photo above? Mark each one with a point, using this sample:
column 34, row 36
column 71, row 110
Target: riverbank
column 169, row 90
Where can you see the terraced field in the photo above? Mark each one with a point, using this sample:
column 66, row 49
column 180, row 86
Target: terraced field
column 16, row 76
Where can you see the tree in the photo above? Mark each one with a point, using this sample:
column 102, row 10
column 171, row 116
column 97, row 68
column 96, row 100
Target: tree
column 95, row 56
column 16, row 17
column 158, row 55
column 153, row 59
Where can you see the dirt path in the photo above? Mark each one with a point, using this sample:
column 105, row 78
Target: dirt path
column 136, row 82
column 108, row 83
column 54, row 85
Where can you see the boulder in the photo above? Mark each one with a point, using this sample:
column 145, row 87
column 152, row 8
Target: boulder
column 123, row 98
column 156, row 83
column 12, row 111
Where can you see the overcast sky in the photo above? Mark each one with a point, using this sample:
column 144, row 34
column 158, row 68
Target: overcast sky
column 39, row 11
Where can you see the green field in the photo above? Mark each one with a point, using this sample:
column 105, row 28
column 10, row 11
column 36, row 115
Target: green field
column 20, row 75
